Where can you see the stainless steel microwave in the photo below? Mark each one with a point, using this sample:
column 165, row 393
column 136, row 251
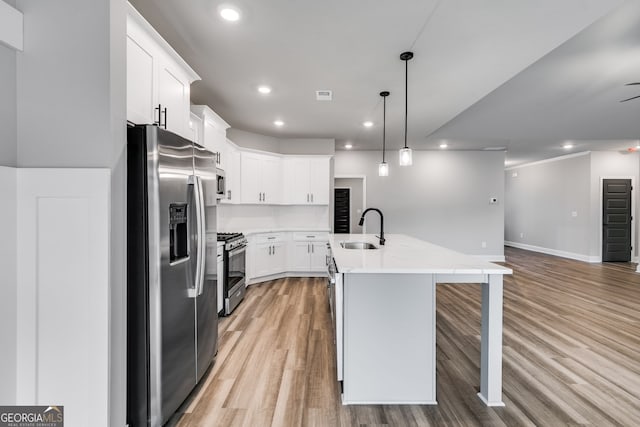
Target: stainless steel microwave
column 220, row 183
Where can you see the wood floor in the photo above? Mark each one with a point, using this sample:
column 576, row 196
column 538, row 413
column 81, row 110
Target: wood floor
column 571, row 355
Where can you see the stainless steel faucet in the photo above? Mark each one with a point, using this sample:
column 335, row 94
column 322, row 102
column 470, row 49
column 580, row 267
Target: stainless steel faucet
column 382, row 240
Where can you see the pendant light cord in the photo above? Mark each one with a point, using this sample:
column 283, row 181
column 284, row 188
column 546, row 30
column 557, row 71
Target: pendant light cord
column 384, row 124
column 406, row 95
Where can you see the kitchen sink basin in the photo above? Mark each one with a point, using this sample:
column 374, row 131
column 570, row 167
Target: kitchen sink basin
column 358, row 245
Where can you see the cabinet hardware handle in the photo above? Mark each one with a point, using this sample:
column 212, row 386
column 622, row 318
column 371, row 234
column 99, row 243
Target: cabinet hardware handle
column 229, row 194
column 159, row 110
column 274, row 250
column 311, row 197
column 269, row 250
column 165, row 117
column 311, row 237
column 308, row 248
column 307, row 197
column 271, row 238
column 313, row 250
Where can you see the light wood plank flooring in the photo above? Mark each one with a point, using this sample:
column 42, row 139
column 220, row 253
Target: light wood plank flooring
column 571, row 355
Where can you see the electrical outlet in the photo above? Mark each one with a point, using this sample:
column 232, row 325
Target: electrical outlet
column 574, row 214
column 484, row 244
column 514, row 175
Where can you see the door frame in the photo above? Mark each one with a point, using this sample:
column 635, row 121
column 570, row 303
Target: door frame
column 364, row 192
column 633, row 214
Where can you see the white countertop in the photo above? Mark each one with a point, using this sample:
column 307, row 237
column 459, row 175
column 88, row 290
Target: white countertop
column 404, row 254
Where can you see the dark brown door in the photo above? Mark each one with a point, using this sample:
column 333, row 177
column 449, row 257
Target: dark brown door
column 341, row 213
column 616, row 220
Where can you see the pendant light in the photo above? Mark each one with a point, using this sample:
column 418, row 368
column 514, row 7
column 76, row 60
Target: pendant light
column 405, row 153
column 383, row 167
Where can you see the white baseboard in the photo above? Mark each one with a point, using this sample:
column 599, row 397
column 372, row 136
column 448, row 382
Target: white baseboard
column 256, row 280
column 555, row 252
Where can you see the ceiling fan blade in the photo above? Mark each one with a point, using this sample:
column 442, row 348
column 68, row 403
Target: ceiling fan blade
column 629, row 99
column 632, row 84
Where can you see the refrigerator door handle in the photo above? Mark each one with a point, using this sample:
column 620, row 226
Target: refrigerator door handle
column 194, row 180
column 202, row 237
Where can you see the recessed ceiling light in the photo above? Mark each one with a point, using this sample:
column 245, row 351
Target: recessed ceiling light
column 443, row 145
column 229, row 14
column 278, row 123
column 567, row 146
column 348, row 146
column 367, row 124
column 264, row 89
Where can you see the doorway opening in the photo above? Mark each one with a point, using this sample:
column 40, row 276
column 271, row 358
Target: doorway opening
column 342, row 211
column 349, row 202
column 616, row 220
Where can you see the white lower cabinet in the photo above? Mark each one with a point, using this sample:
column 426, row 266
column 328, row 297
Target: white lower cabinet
column 267, row 254
column 308, row 252
column 286, row 254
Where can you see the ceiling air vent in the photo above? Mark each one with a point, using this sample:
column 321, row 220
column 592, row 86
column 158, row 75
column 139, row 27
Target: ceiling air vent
column 324, row 95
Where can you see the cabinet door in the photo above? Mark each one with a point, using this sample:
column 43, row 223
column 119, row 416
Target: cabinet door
column 319, row 181
column 140, row 94
column 300, row 252
column 195, row 128
column 250, row 186
column 296, row 181
column 173, row 95
column 232, row 175
column 261, row 260
column 278, row 260
column 270, row 179
column 318, row 256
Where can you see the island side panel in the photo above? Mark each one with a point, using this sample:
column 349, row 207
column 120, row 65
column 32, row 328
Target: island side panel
column 389, row 339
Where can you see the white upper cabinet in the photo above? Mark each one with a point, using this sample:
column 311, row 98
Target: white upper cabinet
column 306, row 180
column 195, row 127
column 260, row 178
column 158, row 79
column 232, row 174
column 214, row 133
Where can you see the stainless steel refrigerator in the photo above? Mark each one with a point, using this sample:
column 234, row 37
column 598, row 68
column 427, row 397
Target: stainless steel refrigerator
column 172, row 320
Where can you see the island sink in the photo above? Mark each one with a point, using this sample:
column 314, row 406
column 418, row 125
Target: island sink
column 358, row 245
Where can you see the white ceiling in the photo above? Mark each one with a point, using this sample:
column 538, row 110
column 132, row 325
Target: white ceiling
column 525, row 75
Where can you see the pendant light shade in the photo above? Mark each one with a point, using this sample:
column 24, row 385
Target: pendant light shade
column 383, row 167
column 406, row 155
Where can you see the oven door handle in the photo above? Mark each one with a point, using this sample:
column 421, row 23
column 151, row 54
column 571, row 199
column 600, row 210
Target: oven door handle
column 237, row 251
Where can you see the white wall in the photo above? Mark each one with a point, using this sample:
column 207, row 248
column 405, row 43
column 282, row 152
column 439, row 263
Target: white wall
column 8, row 117
column 443, row 198
column 540, row 200
column 71, row 113
column 556, row 204
column 8, row 285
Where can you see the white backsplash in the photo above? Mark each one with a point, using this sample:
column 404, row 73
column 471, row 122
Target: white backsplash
column 235, row 218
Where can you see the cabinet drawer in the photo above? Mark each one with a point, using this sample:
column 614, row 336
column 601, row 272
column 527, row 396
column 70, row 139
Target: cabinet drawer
column 310, row 236
column 269, row 238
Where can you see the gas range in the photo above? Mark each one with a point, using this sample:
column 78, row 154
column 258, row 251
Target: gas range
column 232, row 240
column 234, row 278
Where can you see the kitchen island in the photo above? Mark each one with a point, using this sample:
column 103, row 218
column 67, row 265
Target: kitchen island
column 384, row 305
